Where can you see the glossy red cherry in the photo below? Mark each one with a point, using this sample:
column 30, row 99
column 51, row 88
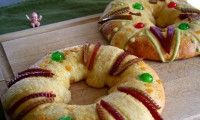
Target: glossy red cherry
column 139, row 25
column 172, row 5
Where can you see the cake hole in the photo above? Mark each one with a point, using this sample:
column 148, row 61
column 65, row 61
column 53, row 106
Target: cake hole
column 82, row 94
column 163, row 16
column 166, row 18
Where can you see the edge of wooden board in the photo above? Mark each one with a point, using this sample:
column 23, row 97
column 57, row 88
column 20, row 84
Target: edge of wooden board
column 5, row 67
column 49, row 27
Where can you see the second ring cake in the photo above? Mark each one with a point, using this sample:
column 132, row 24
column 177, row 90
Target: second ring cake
column 161, row 30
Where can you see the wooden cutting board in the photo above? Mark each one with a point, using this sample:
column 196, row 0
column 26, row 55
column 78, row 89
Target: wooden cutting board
column 21, row 49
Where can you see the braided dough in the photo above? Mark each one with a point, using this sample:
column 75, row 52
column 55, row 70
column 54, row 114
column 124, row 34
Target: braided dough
column 161, row 30
column 42, row 91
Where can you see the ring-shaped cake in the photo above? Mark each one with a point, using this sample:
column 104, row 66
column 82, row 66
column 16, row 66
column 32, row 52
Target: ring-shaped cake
column 161, row 30
column 42, row 91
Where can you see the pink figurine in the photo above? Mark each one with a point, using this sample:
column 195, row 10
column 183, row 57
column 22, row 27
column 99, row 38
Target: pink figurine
column 35, row 19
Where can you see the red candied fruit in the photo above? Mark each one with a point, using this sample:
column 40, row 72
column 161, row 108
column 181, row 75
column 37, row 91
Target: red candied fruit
column 111, row 110
column 100, row 113
column 172, row 5
column 146, row 101
column 139, row 25
column 93, row 56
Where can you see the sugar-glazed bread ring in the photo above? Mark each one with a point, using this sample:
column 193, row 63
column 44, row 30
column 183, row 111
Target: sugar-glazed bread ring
column 42, row 91
column 161, row 30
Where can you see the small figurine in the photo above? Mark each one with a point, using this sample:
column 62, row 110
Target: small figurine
column 35, row 19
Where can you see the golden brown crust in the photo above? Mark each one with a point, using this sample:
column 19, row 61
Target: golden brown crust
column 187, row 49
column 143, row 48
column 108, row 29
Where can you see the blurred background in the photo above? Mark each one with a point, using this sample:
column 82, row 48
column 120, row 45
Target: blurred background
column 12, row 12
column 8, row 2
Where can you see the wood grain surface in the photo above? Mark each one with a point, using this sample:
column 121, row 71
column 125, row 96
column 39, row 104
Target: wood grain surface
column 181, row 78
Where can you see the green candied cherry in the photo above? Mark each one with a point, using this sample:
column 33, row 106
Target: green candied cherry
column 138, row 6
column 57, row 56
column 65, row 118
column 146, row 77
column 184, row 26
